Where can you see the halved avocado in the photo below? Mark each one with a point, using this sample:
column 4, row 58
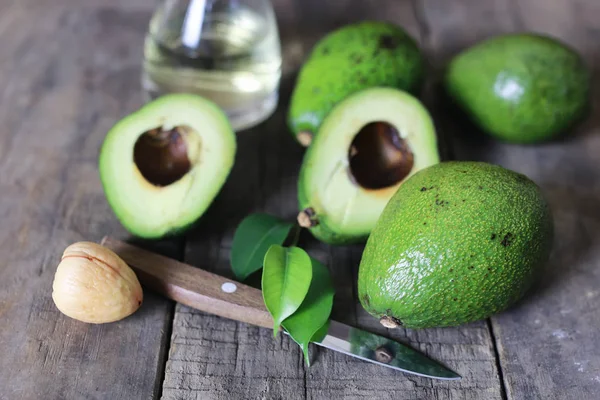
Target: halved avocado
column 163, row 165
column 367, row 146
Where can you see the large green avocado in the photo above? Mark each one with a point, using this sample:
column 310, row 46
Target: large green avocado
column 521, row 88
column 349, row 59
column 458, row 242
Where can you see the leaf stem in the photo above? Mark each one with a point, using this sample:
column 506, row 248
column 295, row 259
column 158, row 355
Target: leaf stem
column 294, row 237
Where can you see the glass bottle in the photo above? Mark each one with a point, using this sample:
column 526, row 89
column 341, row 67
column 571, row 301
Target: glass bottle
column 225, row 50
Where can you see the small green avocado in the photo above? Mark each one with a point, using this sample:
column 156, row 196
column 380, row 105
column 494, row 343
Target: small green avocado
column 458, row 242
column 351, row 58
column 366, row 147
column 163, row 165
column 520, row 88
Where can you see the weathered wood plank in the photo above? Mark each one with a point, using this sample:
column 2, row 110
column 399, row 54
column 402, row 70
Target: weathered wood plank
column 66, row 75
column 213, row 358
column 547, row 343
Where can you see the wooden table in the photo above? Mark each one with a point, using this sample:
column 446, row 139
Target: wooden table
column 69, row 69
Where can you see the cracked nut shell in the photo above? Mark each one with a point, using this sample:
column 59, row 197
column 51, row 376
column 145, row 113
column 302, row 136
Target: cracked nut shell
column 94, row 285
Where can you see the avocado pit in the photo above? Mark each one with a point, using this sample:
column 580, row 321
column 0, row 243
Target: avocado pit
column 379, row 157
column 161, row 155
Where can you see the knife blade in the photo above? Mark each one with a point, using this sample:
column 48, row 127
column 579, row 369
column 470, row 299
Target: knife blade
column 214, row 294
column 380, row 350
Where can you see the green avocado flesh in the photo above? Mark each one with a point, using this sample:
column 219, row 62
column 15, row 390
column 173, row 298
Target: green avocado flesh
column 458, row 242
column 521, row 88
column 162, row 166
column 350, row 59
column 366, row 147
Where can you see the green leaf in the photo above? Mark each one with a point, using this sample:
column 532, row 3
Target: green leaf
column 321, row 333
column 310, row 322
column 252, row 238
column 286, row 278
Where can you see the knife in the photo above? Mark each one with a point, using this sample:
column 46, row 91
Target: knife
column 226, row 298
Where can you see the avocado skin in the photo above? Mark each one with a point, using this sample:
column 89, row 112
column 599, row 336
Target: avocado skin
column 458, row 242
column 349, row 59
column 520, row 88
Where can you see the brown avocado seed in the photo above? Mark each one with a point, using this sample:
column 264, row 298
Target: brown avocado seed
column 379, row 157
column 94, row 285
column 161, row 155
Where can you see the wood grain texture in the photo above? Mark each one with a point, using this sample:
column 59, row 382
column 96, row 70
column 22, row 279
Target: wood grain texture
column 214, row 358
column 70, row 69
column 67, row 73
column 548, row 344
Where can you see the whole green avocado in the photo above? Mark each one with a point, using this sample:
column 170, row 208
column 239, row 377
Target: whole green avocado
column 349, row 59
column 520, row 88
column 458, row 242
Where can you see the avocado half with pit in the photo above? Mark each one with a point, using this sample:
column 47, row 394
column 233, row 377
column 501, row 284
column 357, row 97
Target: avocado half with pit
column 366, row 147
column 162, row 166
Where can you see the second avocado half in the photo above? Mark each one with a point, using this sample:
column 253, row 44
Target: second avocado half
column 369, row 144
column 349, row 59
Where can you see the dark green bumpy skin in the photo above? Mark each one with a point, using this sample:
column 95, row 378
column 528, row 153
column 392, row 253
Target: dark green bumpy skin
column 350, row 59
column 520, row 88
column 459, row 242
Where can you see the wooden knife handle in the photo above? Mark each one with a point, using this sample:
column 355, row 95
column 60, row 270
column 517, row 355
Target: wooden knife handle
column 193, row 286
